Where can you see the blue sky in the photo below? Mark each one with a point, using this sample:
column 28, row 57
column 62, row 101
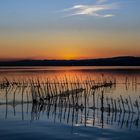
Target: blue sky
column 83, row 18
column 26, row 13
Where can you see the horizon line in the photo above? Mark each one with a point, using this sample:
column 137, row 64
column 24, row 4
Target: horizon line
column 32, row 59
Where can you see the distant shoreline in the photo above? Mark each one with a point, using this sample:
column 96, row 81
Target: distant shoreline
column 114, row 61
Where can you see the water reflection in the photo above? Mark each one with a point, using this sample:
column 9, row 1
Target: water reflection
column 77, row 102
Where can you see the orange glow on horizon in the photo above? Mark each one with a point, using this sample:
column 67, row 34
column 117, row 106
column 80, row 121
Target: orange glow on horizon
column 66, row 47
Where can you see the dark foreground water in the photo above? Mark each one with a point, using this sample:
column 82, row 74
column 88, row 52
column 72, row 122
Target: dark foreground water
column 57, row 120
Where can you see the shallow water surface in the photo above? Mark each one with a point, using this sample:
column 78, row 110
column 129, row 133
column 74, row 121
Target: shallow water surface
column 76, row 110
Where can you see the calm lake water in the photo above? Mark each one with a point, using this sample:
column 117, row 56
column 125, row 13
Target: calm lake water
column 107, row 112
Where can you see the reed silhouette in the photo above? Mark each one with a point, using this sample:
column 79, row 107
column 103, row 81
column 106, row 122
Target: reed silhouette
column 73, row 101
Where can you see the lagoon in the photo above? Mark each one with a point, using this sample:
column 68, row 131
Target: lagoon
column 107, row 112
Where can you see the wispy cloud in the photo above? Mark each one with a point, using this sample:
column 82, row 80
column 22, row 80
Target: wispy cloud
column 97, row 9
column 101, row 1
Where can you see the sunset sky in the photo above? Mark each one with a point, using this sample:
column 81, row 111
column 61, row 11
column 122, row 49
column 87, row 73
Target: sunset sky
column 69, row 29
